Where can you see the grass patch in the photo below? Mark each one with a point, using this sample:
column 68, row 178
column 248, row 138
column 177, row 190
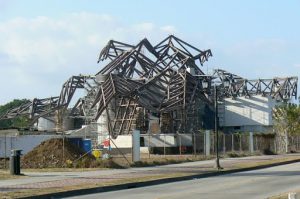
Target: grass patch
column 236, row 154
column 34, row 192
column 264, row 162
column 161, row 160
column 5, row 175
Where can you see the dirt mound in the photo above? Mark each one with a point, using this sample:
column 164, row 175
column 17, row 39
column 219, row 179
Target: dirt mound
column 51, row 153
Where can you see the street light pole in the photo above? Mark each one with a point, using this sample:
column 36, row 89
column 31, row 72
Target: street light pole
column 216, row 128
column 205, row 86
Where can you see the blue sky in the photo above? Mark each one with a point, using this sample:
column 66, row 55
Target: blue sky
column 43, row 43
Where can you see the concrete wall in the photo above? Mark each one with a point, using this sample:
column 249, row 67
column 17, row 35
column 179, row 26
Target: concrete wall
column 158, row 140
column 23, row 142
column 9, row 132
column 155, row 140
column 122, row 141
column 242, row 111
column 45, row 125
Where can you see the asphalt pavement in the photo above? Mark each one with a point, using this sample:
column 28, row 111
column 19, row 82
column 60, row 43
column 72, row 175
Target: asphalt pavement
column 261, row 183
column 43, row 181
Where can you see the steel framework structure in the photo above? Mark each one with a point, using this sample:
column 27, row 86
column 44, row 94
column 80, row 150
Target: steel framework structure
column 164, row 80
column 46, row 107
column 280, row 89
column 153, row 79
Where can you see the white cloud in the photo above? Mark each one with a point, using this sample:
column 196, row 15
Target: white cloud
column 147, row 26
column 38, row 54
column 297, row 66
column 169, row 29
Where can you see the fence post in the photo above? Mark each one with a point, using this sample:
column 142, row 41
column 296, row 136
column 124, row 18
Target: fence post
column 232, row 142
column 297, row 142
column 212, row 142
column 194, row 143
column 179, row 143
column 164, row 145
column 204, row 143
column 251, row 147
column 256, row 143
column 149, row 142
column 240, row 135
column 5, row 156
column 207, row 142
column 224, row 143
column 275, row 145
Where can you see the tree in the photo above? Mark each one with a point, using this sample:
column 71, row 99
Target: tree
column 19, row 122
column 287, row 118
column 286, row 124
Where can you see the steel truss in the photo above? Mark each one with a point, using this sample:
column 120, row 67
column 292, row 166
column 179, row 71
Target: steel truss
column 280, row 89
column 163, row 80
column 47, row 107
column 153, row 79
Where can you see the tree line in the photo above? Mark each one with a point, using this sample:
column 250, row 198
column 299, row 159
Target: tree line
column 18, row 122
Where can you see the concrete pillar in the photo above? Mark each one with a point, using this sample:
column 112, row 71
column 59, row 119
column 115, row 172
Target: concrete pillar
column 136, row 146
column 292, row 196
column 251, row 146
column 207, row 142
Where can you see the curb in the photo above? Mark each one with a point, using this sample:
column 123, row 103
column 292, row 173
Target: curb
column 152, row 182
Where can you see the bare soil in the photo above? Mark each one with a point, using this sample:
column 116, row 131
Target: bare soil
column 54, row 153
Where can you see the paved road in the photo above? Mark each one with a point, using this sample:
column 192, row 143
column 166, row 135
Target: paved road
column 253, row 184
column 39, row 177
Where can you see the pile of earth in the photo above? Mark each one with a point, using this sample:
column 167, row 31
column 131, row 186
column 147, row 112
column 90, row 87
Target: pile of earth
column 56, row 152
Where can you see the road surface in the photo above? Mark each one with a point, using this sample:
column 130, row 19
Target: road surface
column 261, row 183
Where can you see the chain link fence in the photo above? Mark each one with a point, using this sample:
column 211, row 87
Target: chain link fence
column 200, row 143
column 205, row 143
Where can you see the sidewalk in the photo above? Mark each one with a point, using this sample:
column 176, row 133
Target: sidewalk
column 47, row 182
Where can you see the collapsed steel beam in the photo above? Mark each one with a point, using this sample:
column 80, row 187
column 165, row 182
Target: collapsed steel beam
column 163, row 79
column 46, row 107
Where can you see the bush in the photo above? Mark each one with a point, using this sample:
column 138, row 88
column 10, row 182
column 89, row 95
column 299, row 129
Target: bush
column 237, row 155
column 268, row 152
column 233, row 155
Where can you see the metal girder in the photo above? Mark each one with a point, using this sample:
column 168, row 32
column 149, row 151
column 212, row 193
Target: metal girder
column 47, row 106
column 32, row 108
column 20, row 110
column 163, row 79
column 156, row 79
column 184, row 47
column 280, row 89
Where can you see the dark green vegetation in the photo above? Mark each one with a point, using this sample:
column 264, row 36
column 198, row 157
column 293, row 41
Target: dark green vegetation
column 19, row 122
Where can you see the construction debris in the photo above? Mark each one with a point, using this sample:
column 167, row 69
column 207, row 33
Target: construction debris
column 62, row 153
